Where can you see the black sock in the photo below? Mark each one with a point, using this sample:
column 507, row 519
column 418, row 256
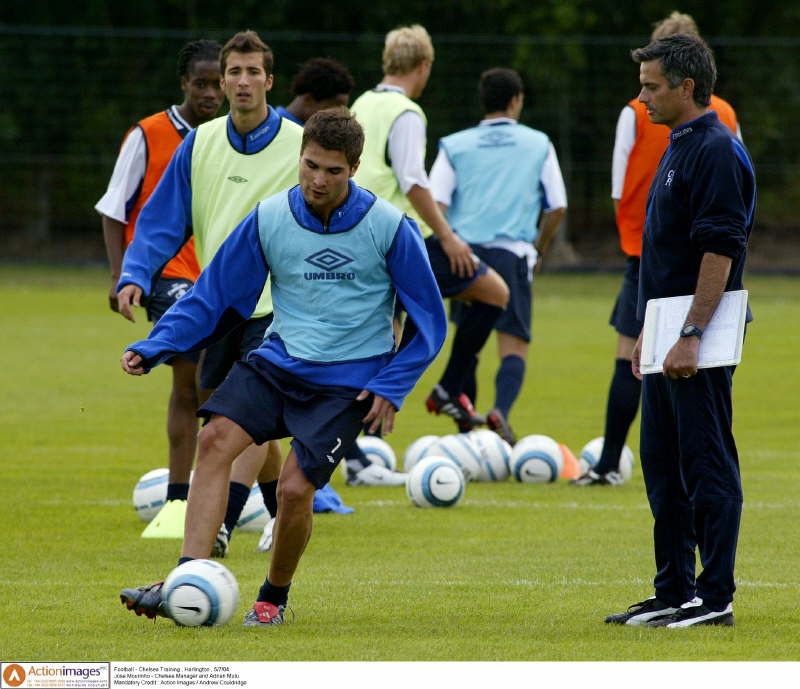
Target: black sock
column 623, row 403
column 269, row 491
column 470, row 385
column 277, row 595
column 508, row 383
column 471, row 335
column 177, row 491
column 184, row 560
column 237, row 497
column 356, row 455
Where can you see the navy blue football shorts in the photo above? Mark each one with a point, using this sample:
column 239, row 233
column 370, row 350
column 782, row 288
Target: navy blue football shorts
column 165, row 293
column 449, row 283
column 516, row 319
column 268, row 403
column 219, row 358
column 623, row 317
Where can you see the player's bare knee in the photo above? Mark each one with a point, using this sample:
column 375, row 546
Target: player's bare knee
column 503, row 293
column 212, row 445
column 496, row 290
column 489, row 288
column 294, row 494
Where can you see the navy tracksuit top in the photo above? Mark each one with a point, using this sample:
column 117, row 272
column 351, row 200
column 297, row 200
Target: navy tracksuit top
column 702, row 200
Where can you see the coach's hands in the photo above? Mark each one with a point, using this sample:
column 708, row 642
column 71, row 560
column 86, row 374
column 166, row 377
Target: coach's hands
column 681, row 360
column 636, row 358
column 462, row 260
column 132, row 363
column 128, row 297
column 381, row 412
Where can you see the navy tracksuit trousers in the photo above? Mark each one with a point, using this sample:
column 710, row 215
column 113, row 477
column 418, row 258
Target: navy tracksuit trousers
column 691, row 472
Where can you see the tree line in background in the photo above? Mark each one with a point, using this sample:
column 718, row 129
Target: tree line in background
column 80, row 76
column 551, row 18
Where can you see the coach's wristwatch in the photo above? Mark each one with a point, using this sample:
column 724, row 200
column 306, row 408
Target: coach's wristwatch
column 691, row 330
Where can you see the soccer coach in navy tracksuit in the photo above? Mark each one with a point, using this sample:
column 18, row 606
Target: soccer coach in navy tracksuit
column 699, row 216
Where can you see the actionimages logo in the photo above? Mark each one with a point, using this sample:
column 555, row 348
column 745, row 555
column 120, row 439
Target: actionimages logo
column 329, row 261
column 13, row 675
column 55, row 675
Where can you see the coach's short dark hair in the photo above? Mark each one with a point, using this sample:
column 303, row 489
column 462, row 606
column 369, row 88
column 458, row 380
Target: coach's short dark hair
column 323, row 78
column 335, row 129
column 246, row 42
column 497, row 87
column 197, row 51
column 683, row 57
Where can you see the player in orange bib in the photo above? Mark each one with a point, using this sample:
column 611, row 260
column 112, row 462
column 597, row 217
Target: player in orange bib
column 638, row 147
column 145, row 152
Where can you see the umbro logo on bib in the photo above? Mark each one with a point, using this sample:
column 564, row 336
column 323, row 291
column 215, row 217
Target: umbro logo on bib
column 329, row 260
column 237, row 179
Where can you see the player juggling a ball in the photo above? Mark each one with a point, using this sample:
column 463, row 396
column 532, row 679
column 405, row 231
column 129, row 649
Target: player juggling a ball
column 338, row 256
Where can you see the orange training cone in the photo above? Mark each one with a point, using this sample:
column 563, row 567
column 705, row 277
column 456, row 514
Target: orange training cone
column 571, row 467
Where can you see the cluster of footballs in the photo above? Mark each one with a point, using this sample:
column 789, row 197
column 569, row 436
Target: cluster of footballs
column 438, row 468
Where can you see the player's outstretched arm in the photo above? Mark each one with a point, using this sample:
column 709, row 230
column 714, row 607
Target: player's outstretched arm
column 224, row 296
column 161, row 229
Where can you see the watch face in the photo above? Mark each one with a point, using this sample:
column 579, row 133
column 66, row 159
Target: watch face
column 689, row 330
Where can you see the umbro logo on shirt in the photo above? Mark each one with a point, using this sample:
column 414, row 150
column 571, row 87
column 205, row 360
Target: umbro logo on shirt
column 329, row 260
column 496, row 137
column 237, row 179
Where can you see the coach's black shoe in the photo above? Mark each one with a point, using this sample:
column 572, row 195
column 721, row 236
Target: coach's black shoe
column 263, row 614
column 498, row 423
column 592, row 478
column 459, row 408
column 694, row 614
column 145, row 600
column 641, row 613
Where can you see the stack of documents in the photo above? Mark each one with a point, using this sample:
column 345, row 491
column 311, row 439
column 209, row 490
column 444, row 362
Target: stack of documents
column 721, row 344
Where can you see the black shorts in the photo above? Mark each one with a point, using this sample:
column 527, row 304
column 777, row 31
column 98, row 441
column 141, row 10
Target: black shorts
column 219, row 358
column 269, row 403
column 449, row 283
column 516, row 319
column 623, row 317
column 165, row 293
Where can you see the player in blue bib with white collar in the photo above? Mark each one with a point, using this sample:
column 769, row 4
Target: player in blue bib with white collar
column 338, row 256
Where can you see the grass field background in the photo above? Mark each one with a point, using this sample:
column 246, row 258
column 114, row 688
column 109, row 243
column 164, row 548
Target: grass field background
column 515, row 572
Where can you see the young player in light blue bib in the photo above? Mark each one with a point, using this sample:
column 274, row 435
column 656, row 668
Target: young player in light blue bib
column 338, row 256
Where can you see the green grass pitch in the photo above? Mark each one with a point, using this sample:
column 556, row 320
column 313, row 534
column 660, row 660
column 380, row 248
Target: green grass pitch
column 515, row 572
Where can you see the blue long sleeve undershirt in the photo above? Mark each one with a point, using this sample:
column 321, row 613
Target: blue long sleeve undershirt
column 221, row 299
column 165, row 222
